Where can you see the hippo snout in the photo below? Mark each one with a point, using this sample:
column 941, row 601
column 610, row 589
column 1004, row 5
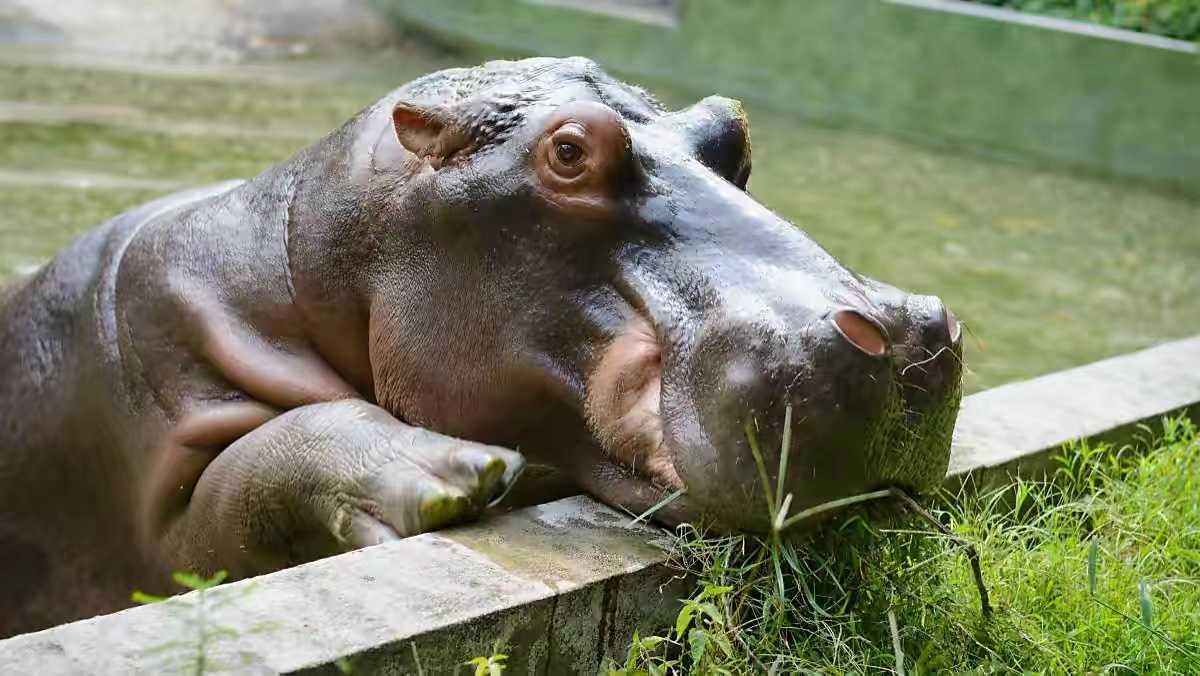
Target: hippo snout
column 873, row 391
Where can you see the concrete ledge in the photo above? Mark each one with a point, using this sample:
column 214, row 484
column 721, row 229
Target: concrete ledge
column 558, row 586
column 1016, row 428
column 557, row 582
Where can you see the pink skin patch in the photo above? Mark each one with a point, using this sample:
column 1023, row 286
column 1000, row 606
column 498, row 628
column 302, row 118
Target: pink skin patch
column 623, row 404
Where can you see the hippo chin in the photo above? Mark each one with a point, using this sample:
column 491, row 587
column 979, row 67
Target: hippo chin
column 526, row 255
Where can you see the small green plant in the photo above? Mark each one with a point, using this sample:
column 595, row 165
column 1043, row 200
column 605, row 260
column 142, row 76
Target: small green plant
column 491, row 665
column 205, row 631
column 642, row 659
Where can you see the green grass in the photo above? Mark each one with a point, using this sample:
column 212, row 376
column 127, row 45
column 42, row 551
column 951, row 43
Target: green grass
column 1047, row 269
column 1172, row 18
column 1066, row 562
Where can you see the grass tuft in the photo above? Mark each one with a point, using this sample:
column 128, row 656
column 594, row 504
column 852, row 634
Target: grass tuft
column 1096, row 569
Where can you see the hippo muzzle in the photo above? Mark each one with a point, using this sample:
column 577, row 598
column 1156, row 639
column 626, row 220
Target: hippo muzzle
column 869, row 410
column 740, row 317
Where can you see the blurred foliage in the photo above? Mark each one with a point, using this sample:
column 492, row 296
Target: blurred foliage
column 1171, row 18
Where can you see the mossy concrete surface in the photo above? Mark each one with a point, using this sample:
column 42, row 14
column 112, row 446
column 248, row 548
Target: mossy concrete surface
column 549, row 585
column 558, row 587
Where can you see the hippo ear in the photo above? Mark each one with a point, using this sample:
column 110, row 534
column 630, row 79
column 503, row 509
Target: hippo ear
column 428, row 132
column 720, row 137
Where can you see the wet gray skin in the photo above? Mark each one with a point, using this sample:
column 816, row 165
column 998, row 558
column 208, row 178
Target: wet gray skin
column 522, row 260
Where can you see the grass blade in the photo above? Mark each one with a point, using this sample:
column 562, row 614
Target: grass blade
column 896, row 647
column 782, row 513
column 785, row 448
column 1144, row 600
column 780, row 589
column 752, row 439
column 836, row 504
column 657, row 506
column 1093, row 557
column 416, row 658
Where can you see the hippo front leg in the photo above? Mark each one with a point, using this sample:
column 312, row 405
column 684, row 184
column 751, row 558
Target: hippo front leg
column 327, row 478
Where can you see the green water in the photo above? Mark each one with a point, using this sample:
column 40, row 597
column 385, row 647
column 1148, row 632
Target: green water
column 1047, row 270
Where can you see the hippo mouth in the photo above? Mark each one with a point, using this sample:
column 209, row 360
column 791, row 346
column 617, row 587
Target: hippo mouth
column 896, row 435
column 624, row 407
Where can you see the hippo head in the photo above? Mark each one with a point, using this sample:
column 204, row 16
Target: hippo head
column 569, row 269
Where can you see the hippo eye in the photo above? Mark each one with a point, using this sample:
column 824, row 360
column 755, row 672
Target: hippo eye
column 568, row 153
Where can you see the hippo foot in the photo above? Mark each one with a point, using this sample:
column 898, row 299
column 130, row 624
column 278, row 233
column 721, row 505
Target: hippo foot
column 332, row 477
column 451, row 484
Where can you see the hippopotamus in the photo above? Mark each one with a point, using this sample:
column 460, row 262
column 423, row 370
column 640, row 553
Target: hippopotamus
column 522, row 261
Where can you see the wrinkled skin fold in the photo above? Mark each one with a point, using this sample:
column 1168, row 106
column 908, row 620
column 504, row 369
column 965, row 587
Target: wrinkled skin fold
column 522, row 261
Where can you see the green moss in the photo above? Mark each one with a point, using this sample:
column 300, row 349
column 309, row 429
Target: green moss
column 35, row 222
column 306, row 96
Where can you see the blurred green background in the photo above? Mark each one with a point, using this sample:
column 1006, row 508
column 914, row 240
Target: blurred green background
column 873, row 147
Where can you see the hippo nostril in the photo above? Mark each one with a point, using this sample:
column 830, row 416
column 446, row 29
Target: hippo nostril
column 953, row 328
column 860, row 332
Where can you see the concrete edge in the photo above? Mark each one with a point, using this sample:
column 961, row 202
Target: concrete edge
column 563, row 585
column 449, row 596
column 663, row 18
column 1018, row 427
column 1006, row 15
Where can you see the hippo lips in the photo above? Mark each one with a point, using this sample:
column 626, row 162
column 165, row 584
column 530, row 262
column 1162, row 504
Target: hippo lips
column 625, row 404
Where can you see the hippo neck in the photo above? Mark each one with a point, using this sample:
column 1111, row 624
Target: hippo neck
column 330, row 249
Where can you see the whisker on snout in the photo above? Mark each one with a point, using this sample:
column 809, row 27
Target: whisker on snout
column 921, row 363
